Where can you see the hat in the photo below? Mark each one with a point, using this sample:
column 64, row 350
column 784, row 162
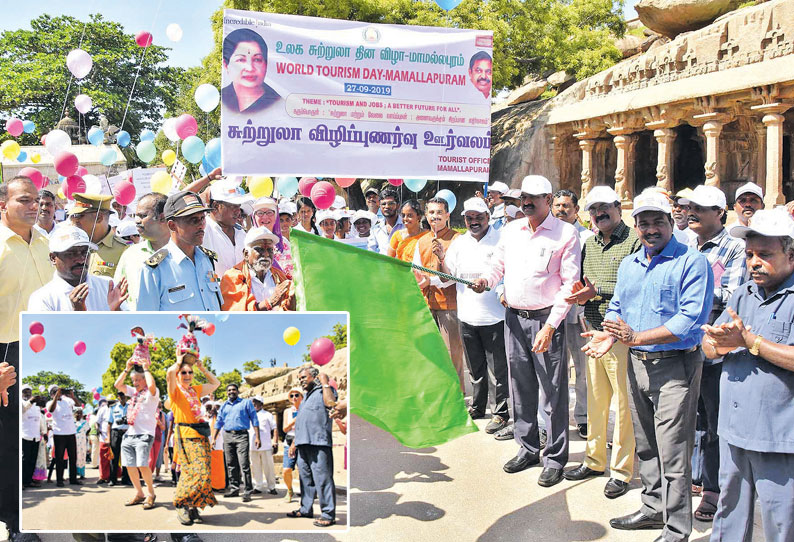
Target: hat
column 339, row 214
column 513, row 193
column 364, row 214
column 287, row 207
column 600, row 194
column 90, row 202
column 651, row 200
column 498, row 186
column 52, row 388
column 258, row 398
column 67, row 237
column 228, row 191
column 265, row 203
column 705, row 196
column 26, row 387
column 127, row 228
column 371, row 189
column 685, row 193
column 325, row 214
column 339, row 203
column 767, row 222
column 296, row 389
column 512, row 211
column 535, row 185
column 476, row 205
column 260, row 232
column 183, row 203
column 749, row 188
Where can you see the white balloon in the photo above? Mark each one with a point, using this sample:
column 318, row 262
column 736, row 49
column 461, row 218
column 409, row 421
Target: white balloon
column 79, row 63
column 92, row 184
column 174, row 32
column 83, row 103
column 169, row 129
column 207, row 97
column 57, row 141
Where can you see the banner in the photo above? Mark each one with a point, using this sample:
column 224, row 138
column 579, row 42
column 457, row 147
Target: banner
column 323, row 97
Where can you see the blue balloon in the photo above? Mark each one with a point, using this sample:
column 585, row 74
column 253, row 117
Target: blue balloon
column 22, row 156
column 108, row 157
column 212, row 153
column 193, row 149
column 28, row 126
column 123, row 138
column 415, row 185
column 99, row 390
column 96, row 136
column 61, row 178
column 448, row 5
column 147, row 135
column 449, row 196
column 202, row 170
column 222, row 316
column 287, row 186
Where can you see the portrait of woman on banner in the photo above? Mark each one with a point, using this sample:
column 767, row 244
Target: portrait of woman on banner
column 245, row 65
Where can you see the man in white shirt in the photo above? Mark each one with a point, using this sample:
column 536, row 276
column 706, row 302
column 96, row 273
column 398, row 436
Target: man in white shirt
column 749, row 198
column 391, row 222
column 221, row 234
column 61, row 406
column 680, row 212
column 262, row 467
column 31, row 436
column 72, row 288
column 45, row 221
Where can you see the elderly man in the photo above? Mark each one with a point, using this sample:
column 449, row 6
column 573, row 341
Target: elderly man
column 254, row 284
column 662, row 297
column 263, row 471
column 680, row 213
column 61, row 406
column 222, row 234
column 91, row 213
column 312, row 446
column 757, row 407
column 748, row 200
column 539, row 258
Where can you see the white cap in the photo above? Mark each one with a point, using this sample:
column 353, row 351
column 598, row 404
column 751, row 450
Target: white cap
column 600, row 194
column 339, row 214
column 260, row 232
column 651, row 200
column 226, row 190
column 514, row 193
column 113, row 219
column 476, row 205
column 324, row 214
column 767, row 222
column 67, row 237
column 258, row 398
column 705, row 196
column 52, row 388
column 265, row 203
column 535, row 185
column 26, row 387
column 363, row 213
column 287, row 207
column 512, row 211
column 749, row 188
column 126, row 228
column 339, row 203
column 498, row 186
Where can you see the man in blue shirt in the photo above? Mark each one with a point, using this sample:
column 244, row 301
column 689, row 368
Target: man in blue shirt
column 118, row 426
column 235, row 417
column 756, row 421
column 663, row 295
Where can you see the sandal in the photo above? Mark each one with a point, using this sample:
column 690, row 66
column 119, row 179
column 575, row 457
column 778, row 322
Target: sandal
column 194, row 515
column 706, row 510
column 149, row 503
column 150, row 537
column 324, row 522
column 135, row 500
column 298, row 514
column 696, row 490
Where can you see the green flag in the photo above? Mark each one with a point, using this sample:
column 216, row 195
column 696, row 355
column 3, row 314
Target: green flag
column 401, row 375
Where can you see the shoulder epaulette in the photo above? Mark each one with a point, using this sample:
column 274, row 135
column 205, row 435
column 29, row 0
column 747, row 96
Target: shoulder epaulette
column 157, row 258
column 210, row 253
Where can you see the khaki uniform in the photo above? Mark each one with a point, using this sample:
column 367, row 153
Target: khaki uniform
column 106, row 258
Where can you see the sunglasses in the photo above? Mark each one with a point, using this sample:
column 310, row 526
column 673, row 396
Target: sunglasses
column 293, row 395
column 186, row 372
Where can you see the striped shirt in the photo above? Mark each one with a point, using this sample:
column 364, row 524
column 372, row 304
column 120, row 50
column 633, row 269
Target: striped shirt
column 726, row 258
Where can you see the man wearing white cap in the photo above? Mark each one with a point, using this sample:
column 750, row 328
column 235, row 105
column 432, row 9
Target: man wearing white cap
column 64, row 430
column 262, row 468
column 749, row 199
column 222, row 234
column 495, row 204
column 707, row 214
column 71, row 287
column 662, row 297
column 481, row 315
column 757, row 410
column 539, row 259
column 128, row 232
column 254, row 284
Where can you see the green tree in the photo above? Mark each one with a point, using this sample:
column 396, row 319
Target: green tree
column 338, row 337
column 253, row 365
column 230, row 377
column 49, row 378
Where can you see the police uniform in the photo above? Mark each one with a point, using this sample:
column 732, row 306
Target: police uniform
column 104, row 260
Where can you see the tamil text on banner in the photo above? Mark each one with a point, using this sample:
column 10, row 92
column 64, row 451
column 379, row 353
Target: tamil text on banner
column 310, row 96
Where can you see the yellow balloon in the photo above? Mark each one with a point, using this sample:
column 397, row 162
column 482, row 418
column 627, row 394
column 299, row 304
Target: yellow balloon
column 161, row 182
column 260, row 187
column 61, row 195
column 10, row 149
column 168, row 157
column 292, row 335
column 35, row 158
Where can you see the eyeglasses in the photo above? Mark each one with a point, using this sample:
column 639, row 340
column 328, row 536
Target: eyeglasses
column 294, row 395
column 263, row 212
column 186, row 372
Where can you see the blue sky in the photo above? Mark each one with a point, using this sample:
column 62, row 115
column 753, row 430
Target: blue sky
column 241, row 337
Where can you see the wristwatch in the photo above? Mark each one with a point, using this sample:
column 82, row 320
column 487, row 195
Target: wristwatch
column 756, row 345
column 598, row 294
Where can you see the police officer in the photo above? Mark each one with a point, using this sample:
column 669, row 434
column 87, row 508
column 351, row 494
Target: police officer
column 181, row 275
column 91, row 213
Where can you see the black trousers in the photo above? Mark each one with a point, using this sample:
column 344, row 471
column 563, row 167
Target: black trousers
column 69, row 444
column 115, row 444
column 235, row 449
column 9, row 445
column 485, row 351
column 30, row 452
column 710, row 402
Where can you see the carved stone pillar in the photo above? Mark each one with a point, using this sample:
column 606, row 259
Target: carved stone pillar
column 773, row 120
column 664, row 161
column 760, row 158
column 624, row 172
column 587, row 166
column 712, row 129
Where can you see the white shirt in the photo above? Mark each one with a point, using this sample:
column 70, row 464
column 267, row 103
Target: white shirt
column 470, row 259
column 218, row 445
column 31, row 421
column 684, row 236
column 146, row 418
column 44, row 232
column 266, row 424
column 577, row 310
column 63, row 417
column 262, row 289
column 216, row 240
column 54, row 296
column 102, row 418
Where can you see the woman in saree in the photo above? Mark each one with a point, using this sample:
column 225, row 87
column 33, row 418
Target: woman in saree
column 403, row 242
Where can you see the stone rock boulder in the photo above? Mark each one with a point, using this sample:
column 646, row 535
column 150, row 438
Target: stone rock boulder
column 558, row 79
column 672, row 17
column 530, row 91
column 629, row 45
column 263, row 375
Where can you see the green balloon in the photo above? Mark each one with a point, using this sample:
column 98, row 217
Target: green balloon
column 146, row 151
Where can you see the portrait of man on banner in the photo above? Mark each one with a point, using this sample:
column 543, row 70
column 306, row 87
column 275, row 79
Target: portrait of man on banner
column 245, row 64
column 480, row 72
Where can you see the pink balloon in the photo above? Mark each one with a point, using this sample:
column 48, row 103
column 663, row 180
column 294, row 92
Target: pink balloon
column 81, row 171
column 36, row 328
column 49, row 414
column 124, row 192
column 37, row 343
column 72, row 185
column 143, row 39
column 34, row 175
column 323, row 194
column 43, row 139
column 305, row 186
column 333, row 384
column 344, row 183
column 186, row 126
column 96, row 396
column 210, row 329
column 79, row 348
column 322, row 351
column 395, row 182
column 14, row 126
column 66, row 163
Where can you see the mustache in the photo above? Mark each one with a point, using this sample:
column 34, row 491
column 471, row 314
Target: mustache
column 692, row 218
column 604, row 216
column 483, row 80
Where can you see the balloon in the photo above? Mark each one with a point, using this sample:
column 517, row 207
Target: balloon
column 83, row 103
column 147, row 135
column 36, row 328
column 37, row 343
column 81, row 171
column 34, row 175
column 222, row 316
column 79, row 63
column 57, row 141
column 168, row 157
column 212, row 153
column 323, row 194
column 22, row 156
column 415, row 185
column 79, row 348
column 10, row 149
column 123, row 138
column 322, row 351
column 60, row 193
column 15, row 127
column 287, row 186
column 99, row 389
column 96, row 136
column 124, row 191
column 92, row 184
column 292, row 335
column 207, row 97
column 73, row 184
column 146, row 151
column 35, row 158
column 210, row 329
column 174, row 32
column 108, row 157
column 333, row 384
column 193, row 149
column 448, row 5
column 395, row 182
column 305, row 186
column 344, row 183
column 143, row 39
column 169, row 129
column 29, row 126
column 65, row 163
column 49, row 414
column 260, row 186
column 449, row 196
column 161, row 182
column 202, row 169
column 186, row 126
column 96, row 396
